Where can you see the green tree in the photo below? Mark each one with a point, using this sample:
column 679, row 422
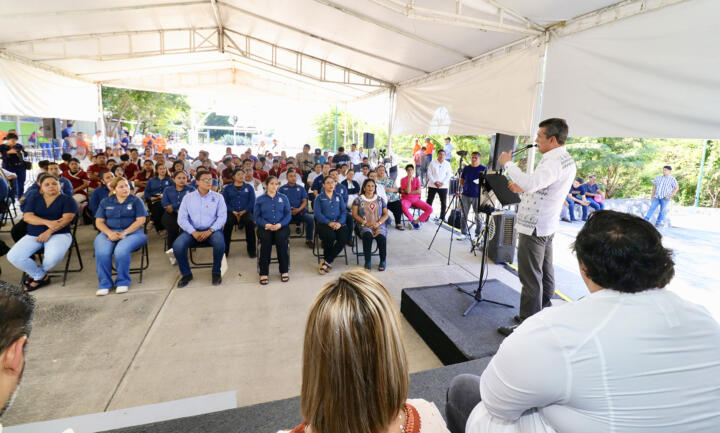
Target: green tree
column 214, row 120
column 149, row 110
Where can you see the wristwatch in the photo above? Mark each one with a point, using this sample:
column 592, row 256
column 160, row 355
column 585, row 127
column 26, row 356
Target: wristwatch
column 124, row 233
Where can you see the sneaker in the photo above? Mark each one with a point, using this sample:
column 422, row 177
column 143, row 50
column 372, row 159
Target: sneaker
column 297, row 230
column 102, row 292
column 216, row 279
column 171, row 255
column 121, row 289
column 416, row 226
column 184, row 281
column 310, row 244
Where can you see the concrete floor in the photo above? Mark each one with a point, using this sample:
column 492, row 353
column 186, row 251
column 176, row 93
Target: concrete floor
column 158, row 343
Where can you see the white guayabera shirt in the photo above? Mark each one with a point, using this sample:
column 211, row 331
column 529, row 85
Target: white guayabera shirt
column 544, row 191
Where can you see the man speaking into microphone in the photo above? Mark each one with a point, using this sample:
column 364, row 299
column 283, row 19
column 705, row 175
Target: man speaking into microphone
column 543, row 193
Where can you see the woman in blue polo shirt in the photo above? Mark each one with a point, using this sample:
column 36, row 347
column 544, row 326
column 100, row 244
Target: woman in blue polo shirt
column 272, row 214
column 120, row 219
column 102, row 192
column 240, row 202
column 331, row 213
column 48, row 216
column 153, row 194
column 171, row 198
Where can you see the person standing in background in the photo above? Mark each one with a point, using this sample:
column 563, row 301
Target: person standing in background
column 448, row 148
column 439, row 172
column 664, row 188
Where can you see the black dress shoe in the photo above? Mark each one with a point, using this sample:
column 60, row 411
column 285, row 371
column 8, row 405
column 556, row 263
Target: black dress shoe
column 507, row 330
column 252, row 255
column 216, row 279
column 517, row 319
column 184, row 281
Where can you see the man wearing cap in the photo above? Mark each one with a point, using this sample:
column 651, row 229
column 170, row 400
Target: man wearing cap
column 664, row 188
column 318, row 158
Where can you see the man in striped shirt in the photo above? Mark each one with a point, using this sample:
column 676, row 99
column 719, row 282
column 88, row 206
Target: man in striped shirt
column 664, row 187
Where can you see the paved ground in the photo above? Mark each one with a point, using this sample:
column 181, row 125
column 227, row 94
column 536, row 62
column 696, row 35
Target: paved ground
column 157, row 343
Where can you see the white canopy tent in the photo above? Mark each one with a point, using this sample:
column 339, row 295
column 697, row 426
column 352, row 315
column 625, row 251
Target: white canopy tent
column 629, row 68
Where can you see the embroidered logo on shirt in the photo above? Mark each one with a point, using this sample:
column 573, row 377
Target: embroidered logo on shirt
column 280, row 200
column 129, row 207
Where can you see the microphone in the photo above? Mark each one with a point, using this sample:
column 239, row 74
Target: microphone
column 524, row 149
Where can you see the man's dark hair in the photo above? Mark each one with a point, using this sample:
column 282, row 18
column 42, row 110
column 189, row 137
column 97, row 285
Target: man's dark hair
column 11, row 135
column 623, row 252
column 102, row 173
column 331, row 170
column 43, row 164
column 668, row 167
column 555, row 127
column 475, row 153
column 438, row 152
column 74, row 160
column 133, row 151
column 49, row 163
column 341, row 149
column 290, row 170
column 306, row 145
column 237, row 170
column 343, row 165
column 66, row 157
column 125, row 157
column 409, row 166
column 200, row 173
column 448, row 139
column 579, row 179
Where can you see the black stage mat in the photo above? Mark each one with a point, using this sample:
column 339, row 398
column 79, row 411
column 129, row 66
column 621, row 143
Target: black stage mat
column 436, row 314
column 270, row 417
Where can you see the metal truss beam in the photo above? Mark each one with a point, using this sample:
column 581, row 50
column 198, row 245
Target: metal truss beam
column 320, row 38
column 100, row 10
column 410, row 10
column 218, row 21
column 607, row 15
column 195, row 40
column 393, row 29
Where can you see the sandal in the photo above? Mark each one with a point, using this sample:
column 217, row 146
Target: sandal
column 264, row 280
column 284, row 278
column 323, row 268
column 40, row 283
column 381, row 266
column 399, row 227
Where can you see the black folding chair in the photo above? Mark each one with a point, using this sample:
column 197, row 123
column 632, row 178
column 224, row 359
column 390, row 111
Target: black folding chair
column 6, row 214
column 356, row 248
column 318, row 253
column 73, row 247
column 144, row 259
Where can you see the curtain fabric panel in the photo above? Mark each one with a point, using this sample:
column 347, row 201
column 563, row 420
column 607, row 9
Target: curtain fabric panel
column 29, row 91
column 651, row 75
column 495, row 96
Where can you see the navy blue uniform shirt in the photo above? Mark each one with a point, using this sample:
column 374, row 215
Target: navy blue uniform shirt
column 329, row 210
column 295, row 194
column 239, row 198
column 119, row 216
column 173, row 197
column 61, row 205
column 272, row 210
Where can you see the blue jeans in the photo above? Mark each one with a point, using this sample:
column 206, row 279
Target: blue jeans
column 104, row 251
column 595, row 205
column 185, row 241
column 309, row 222
column 571, row 209
column 657, row 201
column 55, row 249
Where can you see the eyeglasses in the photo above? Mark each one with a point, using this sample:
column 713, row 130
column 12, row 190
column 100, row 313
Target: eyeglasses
column 205, row 180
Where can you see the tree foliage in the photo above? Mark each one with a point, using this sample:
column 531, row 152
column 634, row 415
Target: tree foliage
column 151, row 111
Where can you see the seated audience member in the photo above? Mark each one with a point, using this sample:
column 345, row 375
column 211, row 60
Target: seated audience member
column 227, row 172
column 319, row 181
column 370, row 213
column 342, row 172
column 194, row 183
column 316, row 171
column 66, row 186
column 240, row 202
column 343, row 191
column 259, row 172
column 298, row 198
column 208, row 165
column 272, row 213
column 410, row 192
column 577, row 195
column 283, row 176
column 393, row 195
column 111, row 163
column 172, row 197
column 100, row 193
column 352, row 186
column 355, row 369
column 255, row 182
column 119, row 171
column 154, row 191
column 202, row 216
column 379, row 189
column 631, row 356
column 120, row 219
column 48, row 215
column 79, row 180
column 594, row 193
column 276, row 169
column 93, row 171
column 131, row 169
column 16, row 315
column 363, row 174
column 177, row 166
column 331, row 216
column 145, row 174
column 65, row 164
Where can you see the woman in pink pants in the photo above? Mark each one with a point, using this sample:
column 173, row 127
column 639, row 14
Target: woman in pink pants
column 410, row 194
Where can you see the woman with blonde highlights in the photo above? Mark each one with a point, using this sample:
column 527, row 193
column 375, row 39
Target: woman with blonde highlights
column 355, row 374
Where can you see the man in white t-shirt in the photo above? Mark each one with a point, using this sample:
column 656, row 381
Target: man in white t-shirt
column 98, row 142
column 543, row 194
column 438, row 174
column 355, row 158
column 630, row 357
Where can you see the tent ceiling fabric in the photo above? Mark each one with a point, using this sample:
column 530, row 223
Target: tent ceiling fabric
column 497, row 96
column 653, row 75
column 339, row 50
column 26, row 90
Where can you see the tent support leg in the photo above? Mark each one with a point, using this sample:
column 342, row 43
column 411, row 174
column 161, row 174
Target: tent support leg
column 391, row 112
column 537, row 112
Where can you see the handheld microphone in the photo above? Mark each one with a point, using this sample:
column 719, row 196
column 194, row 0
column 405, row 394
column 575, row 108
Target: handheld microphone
column 524, row 149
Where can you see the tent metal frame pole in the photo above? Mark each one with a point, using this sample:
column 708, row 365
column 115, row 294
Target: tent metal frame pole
column 101, row 112
column 336, row 130
column 698, row 191
column 537, row 112
column 391, row 114
column 18, row 129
